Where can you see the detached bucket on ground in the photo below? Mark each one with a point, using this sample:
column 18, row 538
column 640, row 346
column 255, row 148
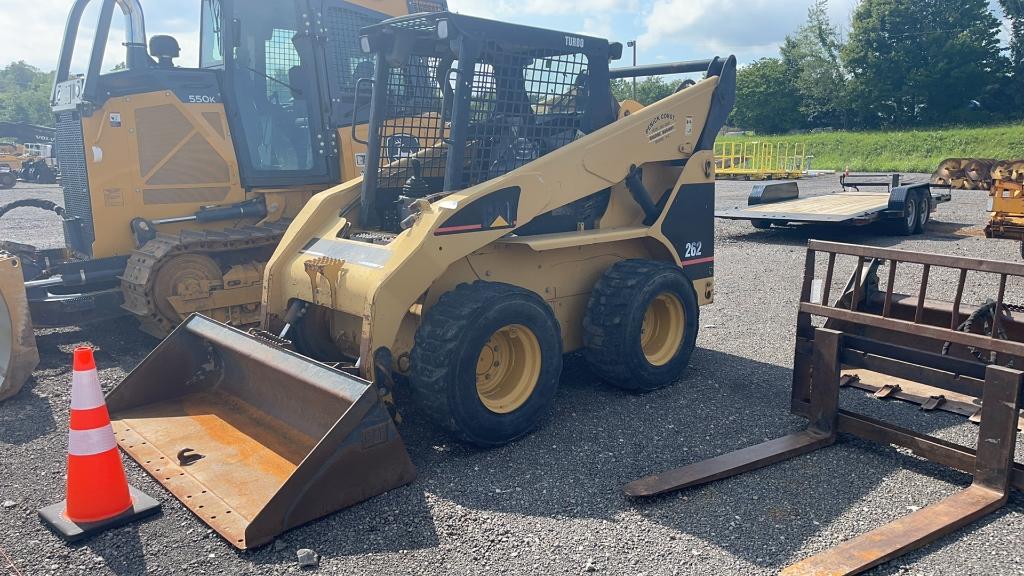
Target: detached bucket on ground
column 18, row 353
column 254, row 439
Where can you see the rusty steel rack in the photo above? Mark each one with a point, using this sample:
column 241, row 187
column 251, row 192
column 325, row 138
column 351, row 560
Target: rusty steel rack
column 871, row 327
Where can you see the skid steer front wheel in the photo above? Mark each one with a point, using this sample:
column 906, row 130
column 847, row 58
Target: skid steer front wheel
column 486, row 362
column 641, row 325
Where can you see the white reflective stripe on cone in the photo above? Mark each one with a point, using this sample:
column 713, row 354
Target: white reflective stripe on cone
column 91, row 442
column 86, row 393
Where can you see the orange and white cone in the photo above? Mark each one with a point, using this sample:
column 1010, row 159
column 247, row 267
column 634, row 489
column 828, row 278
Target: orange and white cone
column 98, row 494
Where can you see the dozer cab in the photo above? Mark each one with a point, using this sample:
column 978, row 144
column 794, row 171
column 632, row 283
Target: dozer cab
column 511, row 212
column 179, row 181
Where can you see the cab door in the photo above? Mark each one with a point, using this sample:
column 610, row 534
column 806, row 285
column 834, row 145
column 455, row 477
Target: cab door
column 275, row 96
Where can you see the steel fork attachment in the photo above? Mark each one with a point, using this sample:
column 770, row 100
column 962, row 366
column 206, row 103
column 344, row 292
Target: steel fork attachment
column 872, row 328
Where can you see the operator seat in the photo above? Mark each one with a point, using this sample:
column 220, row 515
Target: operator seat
column 165, row 49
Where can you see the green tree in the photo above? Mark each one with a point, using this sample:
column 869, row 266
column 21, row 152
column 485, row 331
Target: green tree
column 1014, row 12
column 767, row 101
column 648, row 91
column 25, row 94
column 813, row 54
column 916, row 62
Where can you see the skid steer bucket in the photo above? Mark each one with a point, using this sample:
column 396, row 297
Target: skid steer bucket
column 943, row 347
column 255, row 439
column 18, row 353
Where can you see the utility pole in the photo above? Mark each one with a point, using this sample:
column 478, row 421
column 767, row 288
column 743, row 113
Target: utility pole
column 632, row 44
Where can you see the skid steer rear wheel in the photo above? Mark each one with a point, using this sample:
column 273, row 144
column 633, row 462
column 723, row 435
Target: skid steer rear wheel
column 641, row 325
column 486, row 362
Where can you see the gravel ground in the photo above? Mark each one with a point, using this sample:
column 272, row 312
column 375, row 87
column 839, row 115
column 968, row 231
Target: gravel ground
column 552, row 503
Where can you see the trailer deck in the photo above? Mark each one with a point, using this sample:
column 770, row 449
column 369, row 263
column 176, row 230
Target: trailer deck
column 780, row 204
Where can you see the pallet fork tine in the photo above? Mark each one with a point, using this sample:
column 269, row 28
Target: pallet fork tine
column 821, row 433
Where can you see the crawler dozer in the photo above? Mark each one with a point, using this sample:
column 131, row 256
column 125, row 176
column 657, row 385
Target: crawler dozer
column 179, row 181
column 920, row 347
column 512, row 212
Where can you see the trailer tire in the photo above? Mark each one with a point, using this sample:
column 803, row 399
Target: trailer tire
column 761, row 224
column 924, row 211
column 486, row 362
column 906, row 223
column 620, row 344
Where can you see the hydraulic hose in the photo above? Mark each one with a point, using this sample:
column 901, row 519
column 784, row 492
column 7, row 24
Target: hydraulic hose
column 32, row 203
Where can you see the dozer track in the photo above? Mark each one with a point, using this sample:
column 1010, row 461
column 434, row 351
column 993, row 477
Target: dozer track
column 141, row 275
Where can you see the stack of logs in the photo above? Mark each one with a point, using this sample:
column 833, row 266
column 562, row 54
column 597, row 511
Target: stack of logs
column 977, row 173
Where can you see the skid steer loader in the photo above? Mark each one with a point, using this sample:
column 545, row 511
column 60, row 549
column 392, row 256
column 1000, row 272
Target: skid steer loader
column 512, row 211
column 179, row 181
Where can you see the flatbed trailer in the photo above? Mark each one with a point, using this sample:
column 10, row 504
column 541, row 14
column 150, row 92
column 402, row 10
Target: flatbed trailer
column 863, row 200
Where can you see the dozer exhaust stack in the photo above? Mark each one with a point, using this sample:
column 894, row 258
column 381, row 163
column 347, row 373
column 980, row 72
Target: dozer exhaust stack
column 255, row 439
column 18, row 353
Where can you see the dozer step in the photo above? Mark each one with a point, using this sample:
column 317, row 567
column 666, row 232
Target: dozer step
column 255, row 439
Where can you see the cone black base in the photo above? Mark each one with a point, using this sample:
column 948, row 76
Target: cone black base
column 54, row 519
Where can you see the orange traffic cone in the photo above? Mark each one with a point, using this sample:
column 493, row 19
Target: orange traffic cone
column 98, row 494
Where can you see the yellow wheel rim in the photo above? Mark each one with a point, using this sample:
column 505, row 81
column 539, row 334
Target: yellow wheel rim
column 663, row 329
column 507, row 369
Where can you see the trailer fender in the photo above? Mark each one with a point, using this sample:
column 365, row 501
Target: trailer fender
column 769, row 193
column 899, row 195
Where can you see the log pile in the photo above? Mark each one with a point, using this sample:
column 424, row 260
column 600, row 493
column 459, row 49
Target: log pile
column 977, row 173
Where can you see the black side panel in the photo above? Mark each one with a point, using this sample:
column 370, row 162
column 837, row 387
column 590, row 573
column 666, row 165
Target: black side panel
column 75, row 182
column 690, row 227
column 499, row 210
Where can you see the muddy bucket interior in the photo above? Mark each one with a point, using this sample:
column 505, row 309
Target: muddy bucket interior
column 252, row 438
column 18, row 353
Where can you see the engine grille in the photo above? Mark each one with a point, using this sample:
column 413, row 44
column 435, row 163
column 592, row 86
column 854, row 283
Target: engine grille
column 74, row 177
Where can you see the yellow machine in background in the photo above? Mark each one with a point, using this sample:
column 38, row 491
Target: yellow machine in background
column 179, row 182
column 523, row 214
column 1007, row 207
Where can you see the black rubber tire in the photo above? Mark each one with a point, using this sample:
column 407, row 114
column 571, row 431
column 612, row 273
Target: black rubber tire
column 7, row 180
column 906, row 224
column 924, row 211
column 761, row 224
column 312, row 335
column 614, row 319
column 444, row 361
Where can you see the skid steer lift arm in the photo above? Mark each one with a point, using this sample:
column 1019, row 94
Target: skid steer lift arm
column 875, row 329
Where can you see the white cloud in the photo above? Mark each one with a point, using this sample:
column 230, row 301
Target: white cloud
column 748, row 28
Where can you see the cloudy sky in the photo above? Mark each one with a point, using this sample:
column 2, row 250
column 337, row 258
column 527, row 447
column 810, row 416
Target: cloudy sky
column 666, row 30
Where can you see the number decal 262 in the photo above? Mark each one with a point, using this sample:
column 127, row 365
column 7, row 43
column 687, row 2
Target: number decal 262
column 694, row 249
